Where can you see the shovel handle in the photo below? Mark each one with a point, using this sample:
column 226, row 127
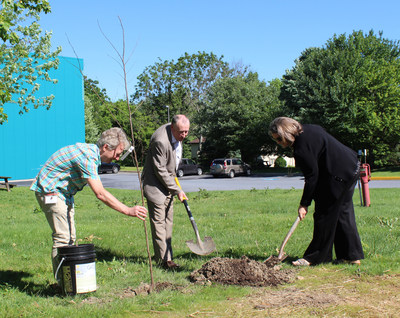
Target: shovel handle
column 287, row 237
column 188, row 209
column 194, row 225
column 179, row 185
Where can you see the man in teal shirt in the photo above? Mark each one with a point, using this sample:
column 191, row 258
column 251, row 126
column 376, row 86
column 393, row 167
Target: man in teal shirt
column 66, row 172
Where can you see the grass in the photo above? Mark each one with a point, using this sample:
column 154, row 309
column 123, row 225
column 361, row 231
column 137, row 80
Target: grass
column 251, row 223
column 386, row 172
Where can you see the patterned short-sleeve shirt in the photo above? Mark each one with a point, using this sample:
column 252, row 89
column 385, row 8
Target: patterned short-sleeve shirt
column 66, row 172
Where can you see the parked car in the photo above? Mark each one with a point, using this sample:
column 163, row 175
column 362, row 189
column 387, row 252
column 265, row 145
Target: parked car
column 109, row 167
column 188, row 166
column 229, row 167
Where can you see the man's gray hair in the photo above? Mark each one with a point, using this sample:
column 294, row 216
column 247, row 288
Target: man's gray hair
column 177, row 118
column 113, row 137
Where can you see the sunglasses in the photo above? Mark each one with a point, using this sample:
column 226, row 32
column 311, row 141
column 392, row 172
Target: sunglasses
column 277, row 139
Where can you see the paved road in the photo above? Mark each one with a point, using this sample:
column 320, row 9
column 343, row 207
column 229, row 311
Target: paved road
column 129, row 180
column 260, row 181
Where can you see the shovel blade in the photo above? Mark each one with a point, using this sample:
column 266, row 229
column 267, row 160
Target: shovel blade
column 202, row 247
column 274, row 260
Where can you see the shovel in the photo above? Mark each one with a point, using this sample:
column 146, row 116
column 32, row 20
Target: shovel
column 272, row 260
column 200, row 247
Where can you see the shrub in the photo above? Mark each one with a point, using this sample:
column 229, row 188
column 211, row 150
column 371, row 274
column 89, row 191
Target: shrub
column 280, row 163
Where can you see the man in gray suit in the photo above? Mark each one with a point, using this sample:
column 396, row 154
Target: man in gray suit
column 163, row 157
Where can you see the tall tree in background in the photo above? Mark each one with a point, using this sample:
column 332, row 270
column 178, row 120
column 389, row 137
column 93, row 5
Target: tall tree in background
column 98, row 104
column 92, row 131
column 182, row 86
column 237, row 116
column 101, row 114
column 351, row 87
column 25, row 55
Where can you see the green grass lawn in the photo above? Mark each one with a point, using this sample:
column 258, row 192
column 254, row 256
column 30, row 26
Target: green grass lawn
column 251, row 223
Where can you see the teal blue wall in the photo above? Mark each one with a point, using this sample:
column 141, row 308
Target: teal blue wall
column 28, row 140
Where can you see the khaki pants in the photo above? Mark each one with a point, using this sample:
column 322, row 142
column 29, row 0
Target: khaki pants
column 60, row 217
column 161, row 221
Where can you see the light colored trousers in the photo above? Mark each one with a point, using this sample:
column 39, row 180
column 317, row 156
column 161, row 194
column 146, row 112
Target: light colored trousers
column 60, row 217
column 161, row 221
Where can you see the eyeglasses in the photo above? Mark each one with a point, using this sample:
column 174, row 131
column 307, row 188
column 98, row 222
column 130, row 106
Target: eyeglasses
column 117, row 154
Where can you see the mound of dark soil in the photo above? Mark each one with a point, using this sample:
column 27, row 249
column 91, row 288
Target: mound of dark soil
column 243, row 272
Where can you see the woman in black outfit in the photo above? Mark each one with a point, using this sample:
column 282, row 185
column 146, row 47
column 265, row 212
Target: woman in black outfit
column 331, row 171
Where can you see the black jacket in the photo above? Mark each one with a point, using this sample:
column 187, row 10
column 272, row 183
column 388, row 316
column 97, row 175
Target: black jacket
column 326, row 163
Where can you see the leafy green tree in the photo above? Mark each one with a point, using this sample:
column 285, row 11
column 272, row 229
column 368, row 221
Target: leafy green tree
column 102, row 114
column 92, row 131
column 142, row 126
column 100, row 104
column 181, row 85
column 237, row 116
column 25, row 55
column 351, row 87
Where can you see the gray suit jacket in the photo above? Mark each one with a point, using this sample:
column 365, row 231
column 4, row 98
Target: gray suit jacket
column 160, row 167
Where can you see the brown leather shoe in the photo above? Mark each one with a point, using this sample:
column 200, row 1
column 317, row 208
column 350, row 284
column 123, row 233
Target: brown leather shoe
column 170, row 265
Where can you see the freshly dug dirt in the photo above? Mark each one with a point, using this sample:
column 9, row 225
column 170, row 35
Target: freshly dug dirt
column 243, row 272
column 272, row 261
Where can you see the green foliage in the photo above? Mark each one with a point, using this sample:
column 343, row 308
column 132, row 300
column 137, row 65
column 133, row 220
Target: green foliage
column 25, row 55
column 103, row 114
column 92, row 131
column 238, row 110
column 181, row 85
column 280, row 162
column 351, row 87
column 98, row 103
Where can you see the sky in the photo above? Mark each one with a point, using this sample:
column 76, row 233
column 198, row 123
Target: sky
column 266, row 35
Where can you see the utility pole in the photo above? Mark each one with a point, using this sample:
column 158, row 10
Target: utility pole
column 168, row 111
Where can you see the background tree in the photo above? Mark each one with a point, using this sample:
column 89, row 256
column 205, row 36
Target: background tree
column 142, row 127
column 25, row 55
column 92, row 131
column 182, row 85
column 237, row 116
column 351, row 87
column 99, row 104
column 101, row 114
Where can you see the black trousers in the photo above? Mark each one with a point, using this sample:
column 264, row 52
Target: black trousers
column 334, row 225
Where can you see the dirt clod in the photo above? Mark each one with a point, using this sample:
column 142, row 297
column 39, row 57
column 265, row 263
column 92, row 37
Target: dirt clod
column 243, row 272
column 272, row 261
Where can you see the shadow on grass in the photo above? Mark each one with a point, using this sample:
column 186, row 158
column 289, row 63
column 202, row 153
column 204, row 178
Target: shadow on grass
column 18, row 280
column 107, row 255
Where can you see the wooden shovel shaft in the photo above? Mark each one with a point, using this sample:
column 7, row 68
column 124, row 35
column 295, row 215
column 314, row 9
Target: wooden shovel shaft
column 287, row 237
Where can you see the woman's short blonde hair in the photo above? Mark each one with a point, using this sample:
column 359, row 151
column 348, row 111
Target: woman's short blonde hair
column 113, row 137
column 286, row 128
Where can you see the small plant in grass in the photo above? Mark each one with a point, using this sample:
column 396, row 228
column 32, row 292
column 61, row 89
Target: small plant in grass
column 387, row 222
column 202, row 194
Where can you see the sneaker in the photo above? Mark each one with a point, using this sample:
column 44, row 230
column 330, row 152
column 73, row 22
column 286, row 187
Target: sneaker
column 301, row 262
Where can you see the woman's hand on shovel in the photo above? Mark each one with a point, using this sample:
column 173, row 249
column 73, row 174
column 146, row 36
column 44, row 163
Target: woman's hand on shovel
column 303, row 210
